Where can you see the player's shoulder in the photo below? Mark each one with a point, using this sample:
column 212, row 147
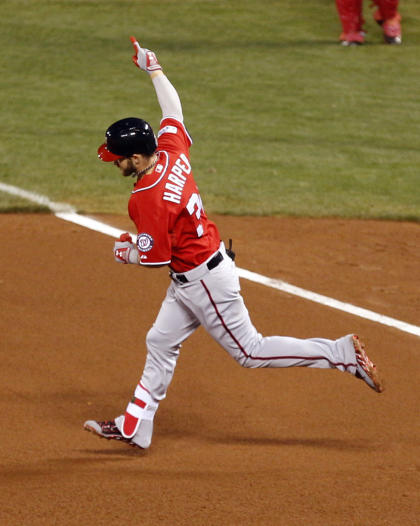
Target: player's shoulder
column 173, row 131
column 169, row 126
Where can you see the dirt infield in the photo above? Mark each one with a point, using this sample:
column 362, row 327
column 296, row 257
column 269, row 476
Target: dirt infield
column 231, row 446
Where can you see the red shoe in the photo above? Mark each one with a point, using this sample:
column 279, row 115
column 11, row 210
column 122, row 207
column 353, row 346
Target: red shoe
column 365, row 369
column 108, row 430
column 390, row 27
column 354, row 38
column 392, row 30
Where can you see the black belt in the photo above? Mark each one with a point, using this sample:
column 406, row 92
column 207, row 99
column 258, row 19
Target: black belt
column 215, row 260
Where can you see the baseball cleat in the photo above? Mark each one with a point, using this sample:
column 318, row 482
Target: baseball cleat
column 392, row 30
column 355, row 38
column 391, row 27
column 108, row 430
column 365, row 369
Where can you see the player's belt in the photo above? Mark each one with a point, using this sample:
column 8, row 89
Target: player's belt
column 198, row 272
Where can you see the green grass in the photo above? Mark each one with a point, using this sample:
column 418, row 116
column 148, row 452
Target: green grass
column 284, row 120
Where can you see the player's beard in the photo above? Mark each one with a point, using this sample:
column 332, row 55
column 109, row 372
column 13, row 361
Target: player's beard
column 129, row 170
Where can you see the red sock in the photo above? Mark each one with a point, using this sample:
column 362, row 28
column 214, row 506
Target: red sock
column 350, row 13
column 388, row 8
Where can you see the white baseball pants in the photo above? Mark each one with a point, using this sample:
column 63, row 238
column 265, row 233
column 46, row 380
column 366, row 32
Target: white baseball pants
column 214, row 301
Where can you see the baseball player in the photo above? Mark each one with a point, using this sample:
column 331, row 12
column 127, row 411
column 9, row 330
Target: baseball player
column 174, row 230
column 386, row 15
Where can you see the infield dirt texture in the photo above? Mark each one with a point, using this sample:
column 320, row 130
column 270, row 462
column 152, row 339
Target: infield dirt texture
column 231, row 446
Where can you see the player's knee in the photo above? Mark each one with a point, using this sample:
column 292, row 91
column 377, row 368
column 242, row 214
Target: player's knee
column 154, row 340
column 244, row 361
column 157, row 342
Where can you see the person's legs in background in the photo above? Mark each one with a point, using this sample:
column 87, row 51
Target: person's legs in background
column 350, row 14
column 387, row 16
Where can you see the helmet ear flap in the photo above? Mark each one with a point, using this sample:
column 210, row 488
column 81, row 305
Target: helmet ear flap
column 151, row 146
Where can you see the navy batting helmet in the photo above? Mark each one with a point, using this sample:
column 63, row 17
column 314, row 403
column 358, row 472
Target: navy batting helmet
column 127, row 137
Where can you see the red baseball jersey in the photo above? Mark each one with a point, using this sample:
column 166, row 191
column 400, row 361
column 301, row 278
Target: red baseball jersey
column 166, row 207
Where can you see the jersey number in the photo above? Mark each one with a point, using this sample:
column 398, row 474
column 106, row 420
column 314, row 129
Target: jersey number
column 195, row 208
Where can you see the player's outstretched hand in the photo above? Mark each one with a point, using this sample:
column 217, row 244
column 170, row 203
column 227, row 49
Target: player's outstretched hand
column 144, row 58
column 124, row 250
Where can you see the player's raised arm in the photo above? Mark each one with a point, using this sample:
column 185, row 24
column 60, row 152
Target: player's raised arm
column 167, row 95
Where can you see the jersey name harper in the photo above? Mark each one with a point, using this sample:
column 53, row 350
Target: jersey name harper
column 166, row 207
column 177, row 179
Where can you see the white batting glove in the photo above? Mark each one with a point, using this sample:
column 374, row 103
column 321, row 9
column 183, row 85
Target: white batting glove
column 125, row 251
column 144, row 58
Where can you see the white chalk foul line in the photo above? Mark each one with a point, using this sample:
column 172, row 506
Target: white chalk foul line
column 92, row 224
column 329, row 302
column 67, row 213
column 36, row 198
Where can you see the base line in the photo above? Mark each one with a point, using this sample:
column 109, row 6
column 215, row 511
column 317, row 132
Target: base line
column 67, row 213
